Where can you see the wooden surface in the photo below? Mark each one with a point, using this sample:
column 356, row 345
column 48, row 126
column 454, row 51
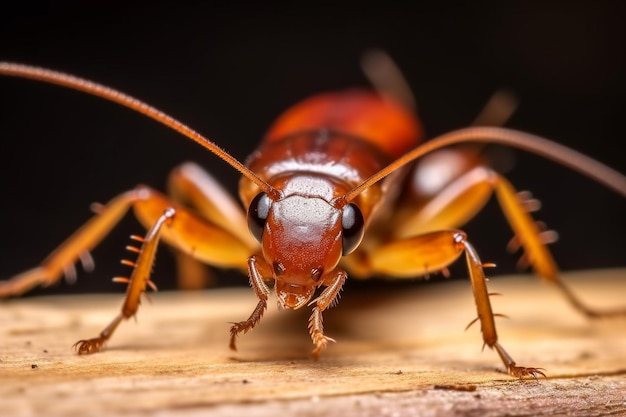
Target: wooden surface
column 402, row 350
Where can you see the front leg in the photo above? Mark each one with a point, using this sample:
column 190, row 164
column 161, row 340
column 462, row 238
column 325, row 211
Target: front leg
column 327, row 298
column 257, row 270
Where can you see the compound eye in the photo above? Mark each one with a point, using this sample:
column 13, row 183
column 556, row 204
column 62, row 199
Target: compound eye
column 257, row 215
column 352, row 224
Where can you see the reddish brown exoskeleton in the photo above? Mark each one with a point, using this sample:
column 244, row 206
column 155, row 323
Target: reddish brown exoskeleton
column 325, row 194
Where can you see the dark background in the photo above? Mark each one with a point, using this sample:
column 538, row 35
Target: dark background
column 229, row 70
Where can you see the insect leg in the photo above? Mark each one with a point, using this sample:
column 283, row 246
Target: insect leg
column 432, row 252
column 457, row 202
column 137, row 283
column 83, row 240
column 485, row 313
column 415, row 256
column 326, row 299
column 257, row 271
column 530, row 237
column 192, row 233
column 191, row 185
column 186, row 232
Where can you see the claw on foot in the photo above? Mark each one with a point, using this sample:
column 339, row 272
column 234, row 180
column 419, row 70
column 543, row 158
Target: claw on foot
column 237, row 328
column 321, row 342
column 233, row 338
column 89, row 346
column 247, row 325
column 522, row 372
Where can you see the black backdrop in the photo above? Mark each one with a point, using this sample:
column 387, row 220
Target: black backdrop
column 228, row 70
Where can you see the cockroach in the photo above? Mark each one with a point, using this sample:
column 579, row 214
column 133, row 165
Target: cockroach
column 326, row 192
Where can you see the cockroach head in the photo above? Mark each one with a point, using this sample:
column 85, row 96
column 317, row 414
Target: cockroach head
column 303, row 238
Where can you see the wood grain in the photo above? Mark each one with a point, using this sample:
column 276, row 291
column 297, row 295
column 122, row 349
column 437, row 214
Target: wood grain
column 401, row 350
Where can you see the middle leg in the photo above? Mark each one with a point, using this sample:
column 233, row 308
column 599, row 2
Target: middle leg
column 434, row 251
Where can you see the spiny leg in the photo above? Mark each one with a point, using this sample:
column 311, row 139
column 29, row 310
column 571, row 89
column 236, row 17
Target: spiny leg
column 137, row 283
column 528, row 234
column 257, row 270
column 328, row 298
column 192, row 234
column 434, row 251
column 485, row 313
column 459, row 200
column 69, row 252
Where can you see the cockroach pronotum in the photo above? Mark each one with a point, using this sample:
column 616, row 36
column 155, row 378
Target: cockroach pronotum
column 326, row 193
